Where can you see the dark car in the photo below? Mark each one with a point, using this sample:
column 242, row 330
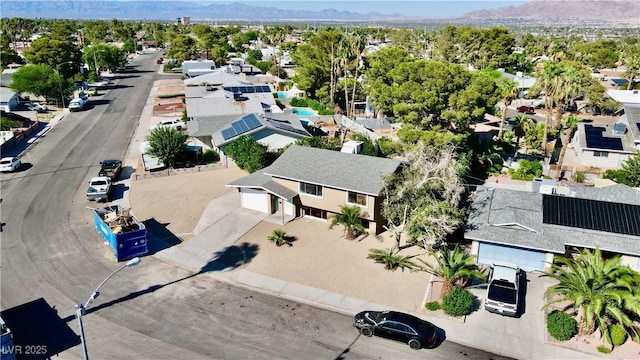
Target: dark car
column 526, row 109
column 110, row 168
column 398, row 326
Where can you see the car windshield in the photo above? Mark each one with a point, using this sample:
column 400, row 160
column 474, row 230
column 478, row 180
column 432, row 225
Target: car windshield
column 5, row 162
column 98, row 183
column 502, row 291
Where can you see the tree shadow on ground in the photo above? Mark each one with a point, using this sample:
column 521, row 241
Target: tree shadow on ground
column 232, row 257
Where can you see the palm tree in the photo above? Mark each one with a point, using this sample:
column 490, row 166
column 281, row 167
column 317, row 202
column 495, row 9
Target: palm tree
column 601, row 292
column 631, row 59
column 452, row 266
column 508, row 90
column 358, row 44
column 391, row 260
column 547, row 82
column 349, row 217
column 522, row 124
column 569, row 87
column 278, row 237
column 571, row 123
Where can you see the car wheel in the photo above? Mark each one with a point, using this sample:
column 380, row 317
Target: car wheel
column 366, row 331
column 414, row 344
column 179, row 128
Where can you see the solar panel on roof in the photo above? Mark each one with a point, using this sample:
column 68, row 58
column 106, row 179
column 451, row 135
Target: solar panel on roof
column 240, row 127
column 228, row 133
column 591, row 214
column 283, row 126
column 252, row 122
column 619, row 82
column 597, row 141
column 265, row 88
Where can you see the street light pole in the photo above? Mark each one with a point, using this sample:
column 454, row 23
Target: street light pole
column 81, row 308
column 60, row 82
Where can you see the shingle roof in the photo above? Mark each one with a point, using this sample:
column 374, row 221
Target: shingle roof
column 354, row 172
column 260, row 180
column 492, row 208
column 207, row 125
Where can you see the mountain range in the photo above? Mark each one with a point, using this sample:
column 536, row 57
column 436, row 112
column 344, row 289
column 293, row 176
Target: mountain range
column 625, row 11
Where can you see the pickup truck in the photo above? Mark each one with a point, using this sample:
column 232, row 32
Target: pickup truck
column 111, row 168
column 126, row 235
column 99, row 188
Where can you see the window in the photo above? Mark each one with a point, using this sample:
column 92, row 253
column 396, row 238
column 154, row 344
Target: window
column 601, row 154
column 356, row 198
column 311, row 189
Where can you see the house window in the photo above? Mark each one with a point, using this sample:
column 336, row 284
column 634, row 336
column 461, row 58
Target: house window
column 311, row 189
column 356, row 198
column 601, row 153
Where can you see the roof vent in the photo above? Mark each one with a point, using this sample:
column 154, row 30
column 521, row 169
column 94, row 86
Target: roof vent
column 237, row 96
column 210, row 88
column 619, row 129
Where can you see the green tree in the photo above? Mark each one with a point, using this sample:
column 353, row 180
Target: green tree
column 103, row 57
column 54, row 49
column 600, row 292
column 508, row 90
column 630, row 57
column 247, row 153
column 183, row 47
column 167, row 144
column 40, row 80
column 391, row 259
column 571, row 123
column 452, row 266
column 7, row 54
column 350, row 218
column 629, row 174
column 522, row 123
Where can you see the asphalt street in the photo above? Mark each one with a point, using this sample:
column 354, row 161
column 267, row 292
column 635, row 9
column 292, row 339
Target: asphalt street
column 53, row 257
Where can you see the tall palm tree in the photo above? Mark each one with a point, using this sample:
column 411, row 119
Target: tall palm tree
column 358, row 44
column 508, row 90
column 571, row 124
column 350, row 218
column 522, row 124
column 547, row 81
column 601, row 292
column 452, row 266
column 631, row 60
column 569, row 87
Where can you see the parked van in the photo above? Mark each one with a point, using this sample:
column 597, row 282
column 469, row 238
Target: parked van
column 503, row 291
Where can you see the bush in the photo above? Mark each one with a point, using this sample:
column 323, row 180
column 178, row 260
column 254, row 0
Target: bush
column 561, row 326
column 210, row 156
column 617, row 335
column 433, row 306
column 578, row 177
column 603, row 349
column 299, row 102
column 458, row 302
column 526, row 170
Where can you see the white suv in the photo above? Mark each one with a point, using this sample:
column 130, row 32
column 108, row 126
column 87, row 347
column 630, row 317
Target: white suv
column 176, row 124
column 503, row 289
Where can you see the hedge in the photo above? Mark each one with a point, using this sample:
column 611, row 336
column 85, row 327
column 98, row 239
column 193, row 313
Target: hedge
column 561, row 326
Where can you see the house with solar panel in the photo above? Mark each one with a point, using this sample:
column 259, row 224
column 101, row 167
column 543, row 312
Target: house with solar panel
column 314, row 183
column 608, row 146
column 530, row 228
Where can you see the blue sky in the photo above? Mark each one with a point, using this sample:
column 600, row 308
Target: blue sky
column 423, row 8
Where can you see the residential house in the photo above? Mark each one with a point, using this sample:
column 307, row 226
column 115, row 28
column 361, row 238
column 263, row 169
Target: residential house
column 530, row 228
column 231, row 98
column 193, row 68
column 608, row 146
column 9, row 100
column 315, row 183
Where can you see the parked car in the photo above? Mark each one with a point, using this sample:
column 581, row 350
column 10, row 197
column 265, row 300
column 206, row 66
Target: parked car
column 93, row 91
column 77, row 104
column 176, row 124
column 99, row 189
column 503, row 290
column 398, row 326
column 526, row 109
column 111, row 168
column 37, row 107
column 9, row 164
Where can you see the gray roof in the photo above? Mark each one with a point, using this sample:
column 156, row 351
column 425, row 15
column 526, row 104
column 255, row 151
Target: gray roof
column 514, row 218
column 626, row 139
column 353, row 172
column 207, row 125
column 631, row 117
column 293, row 129
column 260, row 180
column 222, row 103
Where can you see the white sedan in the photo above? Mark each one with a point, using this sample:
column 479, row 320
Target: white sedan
column 175, row 124
column 9, row 164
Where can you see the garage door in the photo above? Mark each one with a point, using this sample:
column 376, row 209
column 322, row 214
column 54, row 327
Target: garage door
column 255, row 200
column 526, row 259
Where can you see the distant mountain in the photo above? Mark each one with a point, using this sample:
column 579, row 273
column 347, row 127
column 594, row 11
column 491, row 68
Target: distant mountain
column 170, row 10
column 599, row 10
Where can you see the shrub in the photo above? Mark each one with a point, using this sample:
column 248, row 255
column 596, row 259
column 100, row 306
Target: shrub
column 526, row 170
column 603, row 349
column 578, row 177
column 210, row 156
column 458, row 302
column 617, row 335
column 561, row 326
column 299, row 102
column 433, row 306
column 278, row 237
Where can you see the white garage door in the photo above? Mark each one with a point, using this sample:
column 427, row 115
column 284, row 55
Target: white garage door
column 255, row 200
column 526, row 259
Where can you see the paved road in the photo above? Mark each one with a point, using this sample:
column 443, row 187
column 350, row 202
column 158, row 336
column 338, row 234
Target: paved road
column 51, row 251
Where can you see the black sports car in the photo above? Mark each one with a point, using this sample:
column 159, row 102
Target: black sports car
column 399, row 326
